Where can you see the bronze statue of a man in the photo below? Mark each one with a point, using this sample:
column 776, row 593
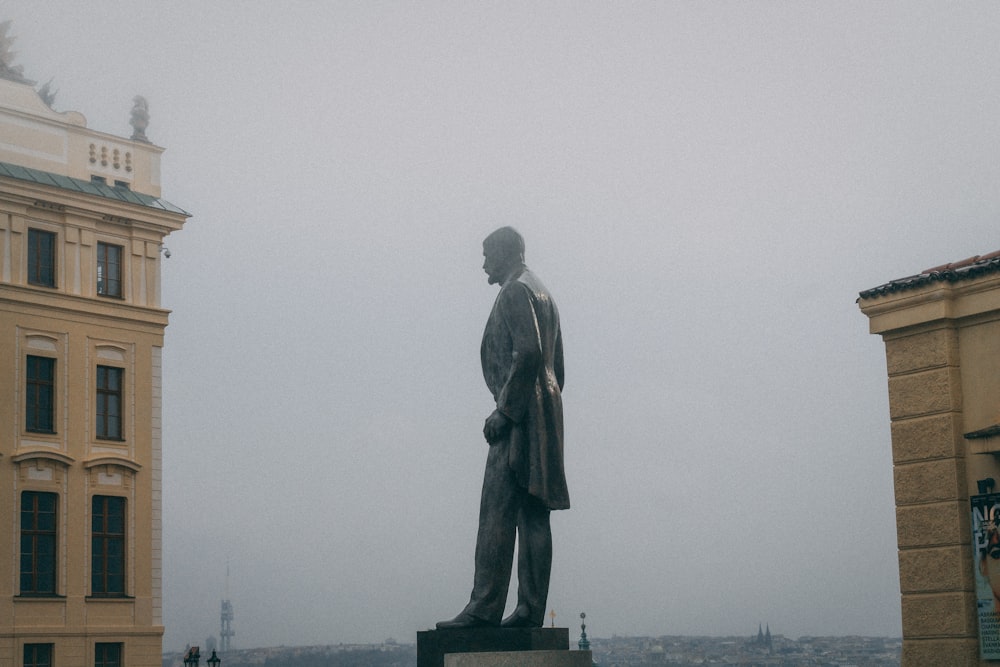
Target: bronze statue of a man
column 522, row 360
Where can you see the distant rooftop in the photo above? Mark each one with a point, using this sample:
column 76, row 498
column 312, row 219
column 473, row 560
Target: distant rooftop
column 965, row 269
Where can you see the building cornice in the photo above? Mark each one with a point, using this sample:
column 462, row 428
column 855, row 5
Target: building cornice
column 90, row 199
column 115, row 313
column 935, row 298
column 953, row 272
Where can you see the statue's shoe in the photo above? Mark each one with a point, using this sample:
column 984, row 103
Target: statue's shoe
column 464, row 620
column 516, row 620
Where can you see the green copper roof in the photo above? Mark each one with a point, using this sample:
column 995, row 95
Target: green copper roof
column 88, row 187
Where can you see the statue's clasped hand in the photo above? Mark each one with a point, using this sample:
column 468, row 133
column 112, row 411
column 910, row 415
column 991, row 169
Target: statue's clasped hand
column 497, row 427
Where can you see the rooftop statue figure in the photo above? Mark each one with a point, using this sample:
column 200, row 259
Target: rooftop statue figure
column 8, row 70
column 140, row 118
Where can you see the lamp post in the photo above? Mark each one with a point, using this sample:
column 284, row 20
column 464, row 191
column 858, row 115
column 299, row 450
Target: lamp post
column 192, row 658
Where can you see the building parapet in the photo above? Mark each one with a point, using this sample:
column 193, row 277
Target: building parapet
column 33, row 135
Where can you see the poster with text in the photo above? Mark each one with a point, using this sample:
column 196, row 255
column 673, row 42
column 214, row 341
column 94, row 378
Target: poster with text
column 986, row 566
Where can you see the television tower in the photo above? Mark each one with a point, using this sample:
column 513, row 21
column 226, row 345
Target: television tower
column 226, row 632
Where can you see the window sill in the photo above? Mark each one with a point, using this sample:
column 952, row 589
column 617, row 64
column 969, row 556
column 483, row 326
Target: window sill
column 39, row 597
column 110, row 598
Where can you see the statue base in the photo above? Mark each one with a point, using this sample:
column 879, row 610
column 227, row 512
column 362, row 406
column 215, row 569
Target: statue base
column 517, row 643
column 521, row 659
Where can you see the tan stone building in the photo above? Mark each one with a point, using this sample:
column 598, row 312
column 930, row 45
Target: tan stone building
column 941, row 330
column 81, row 333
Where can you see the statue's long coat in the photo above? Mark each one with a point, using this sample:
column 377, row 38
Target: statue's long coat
column 522, row 359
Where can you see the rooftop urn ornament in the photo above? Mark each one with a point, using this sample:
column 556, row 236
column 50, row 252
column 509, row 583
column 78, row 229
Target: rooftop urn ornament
column 140, row 118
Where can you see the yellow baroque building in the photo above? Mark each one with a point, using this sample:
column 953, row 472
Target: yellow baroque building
column 82, row 226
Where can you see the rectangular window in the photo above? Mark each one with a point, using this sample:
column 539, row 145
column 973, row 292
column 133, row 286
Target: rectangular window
column 38, row 655
column 107, row 655
column 109, row 402
column 109, row 269
column 107, row 540
column 38, row 543
column 40, row 391
column 41, row 258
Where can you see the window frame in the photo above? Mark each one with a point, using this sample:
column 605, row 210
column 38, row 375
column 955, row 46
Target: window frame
column 108, row 654
column 109, row 411
column 38, row 537
column 108, row 556
column 42, row 263
column 31, row 657
column 104, row 270
column 35, row 388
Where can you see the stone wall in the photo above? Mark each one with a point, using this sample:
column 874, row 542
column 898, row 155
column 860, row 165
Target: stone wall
column 935, row 334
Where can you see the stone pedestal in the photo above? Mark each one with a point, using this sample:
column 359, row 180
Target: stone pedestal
column 434, row 645
column 521, row 659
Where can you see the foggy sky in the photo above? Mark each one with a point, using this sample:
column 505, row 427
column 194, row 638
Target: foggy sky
column 704, row 187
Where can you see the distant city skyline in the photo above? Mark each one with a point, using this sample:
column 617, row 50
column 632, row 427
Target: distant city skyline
column 608, row 652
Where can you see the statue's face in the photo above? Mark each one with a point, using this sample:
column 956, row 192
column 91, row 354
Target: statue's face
column 496, row 263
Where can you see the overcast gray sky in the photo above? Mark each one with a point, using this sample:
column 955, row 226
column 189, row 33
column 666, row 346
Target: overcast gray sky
column 704, row 187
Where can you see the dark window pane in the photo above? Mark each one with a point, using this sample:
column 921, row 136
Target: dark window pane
column 109, row 402
column 116, row 522
column 109, row 269
column 108, row 546
column 38, row 543
column 38, row 655
column 107, row 655
column 46, row 521
column 40, row 394
column 41, row 258
column 45, row 546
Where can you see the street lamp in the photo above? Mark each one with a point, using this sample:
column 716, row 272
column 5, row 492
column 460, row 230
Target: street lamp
column 193, row 657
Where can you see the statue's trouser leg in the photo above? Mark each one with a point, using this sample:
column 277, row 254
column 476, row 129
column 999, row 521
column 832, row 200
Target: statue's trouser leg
column 498, row 513
column 534, row 559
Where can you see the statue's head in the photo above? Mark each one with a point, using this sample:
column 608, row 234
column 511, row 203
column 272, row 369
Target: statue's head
column 503, row 251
